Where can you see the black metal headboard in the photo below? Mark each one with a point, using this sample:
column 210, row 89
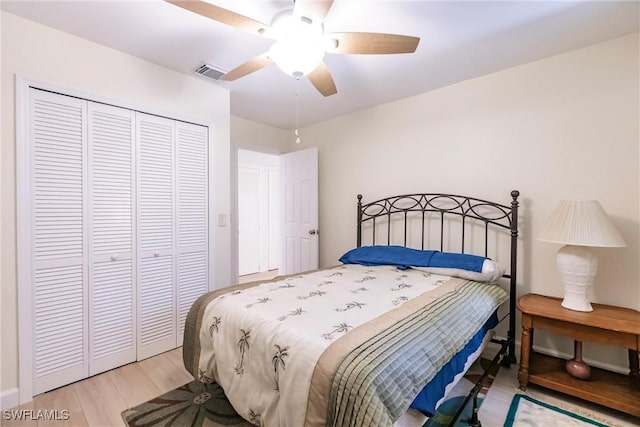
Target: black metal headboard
column 397, row 217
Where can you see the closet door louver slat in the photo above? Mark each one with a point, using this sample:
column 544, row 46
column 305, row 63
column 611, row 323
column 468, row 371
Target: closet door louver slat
column 111, row 271
column 56, row 134
column 192, row 188
column 155, row 138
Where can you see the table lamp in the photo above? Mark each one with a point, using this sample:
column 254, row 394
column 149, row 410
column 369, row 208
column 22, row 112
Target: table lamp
column 579, row 224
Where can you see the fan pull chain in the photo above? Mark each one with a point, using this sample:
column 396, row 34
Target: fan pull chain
column 296, row 133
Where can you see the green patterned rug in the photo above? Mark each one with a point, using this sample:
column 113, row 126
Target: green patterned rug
column 528, row 412
column 193, row 404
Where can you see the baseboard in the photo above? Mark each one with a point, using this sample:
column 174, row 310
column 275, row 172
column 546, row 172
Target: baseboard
column 493, row 348
column 9, row 399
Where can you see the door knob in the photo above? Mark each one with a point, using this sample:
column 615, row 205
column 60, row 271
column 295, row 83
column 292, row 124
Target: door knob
column 114, row 257
column 312, row 232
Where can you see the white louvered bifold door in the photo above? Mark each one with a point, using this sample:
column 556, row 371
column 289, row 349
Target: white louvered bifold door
column 155, row 138
column 58, row 277
column 191, row 150
column 112, row 340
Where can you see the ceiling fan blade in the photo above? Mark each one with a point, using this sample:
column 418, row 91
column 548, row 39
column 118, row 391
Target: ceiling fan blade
column 248, row 67
column 322, row 80
column 372, row 43
column 222, row 15
column 316, row 10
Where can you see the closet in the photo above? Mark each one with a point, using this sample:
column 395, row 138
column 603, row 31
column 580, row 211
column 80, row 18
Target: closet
column 118, row 208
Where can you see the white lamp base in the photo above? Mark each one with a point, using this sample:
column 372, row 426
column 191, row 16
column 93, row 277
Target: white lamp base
column 577, row 266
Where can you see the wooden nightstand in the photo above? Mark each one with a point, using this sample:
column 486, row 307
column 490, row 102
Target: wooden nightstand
column 604, row 325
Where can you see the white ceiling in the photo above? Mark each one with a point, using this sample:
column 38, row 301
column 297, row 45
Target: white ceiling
column 459, row 40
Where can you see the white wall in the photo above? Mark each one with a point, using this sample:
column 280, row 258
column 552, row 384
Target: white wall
column 255, row 136
column 563, row 127
column 41, row 53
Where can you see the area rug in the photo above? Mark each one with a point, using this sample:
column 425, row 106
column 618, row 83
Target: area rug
column 448, row 408
column 193, row 404
column 528, row 412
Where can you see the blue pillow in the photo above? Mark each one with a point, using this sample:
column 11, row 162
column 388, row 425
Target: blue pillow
column 403, row 257
column 399, row 256
column 460, row 261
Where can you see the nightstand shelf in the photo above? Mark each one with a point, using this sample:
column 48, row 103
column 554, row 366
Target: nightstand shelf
column 604, row 387
column 604, row 325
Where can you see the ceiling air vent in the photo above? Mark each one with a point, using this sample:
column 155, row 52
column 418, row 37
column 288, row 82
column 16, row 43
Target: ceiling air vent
column 210, row 71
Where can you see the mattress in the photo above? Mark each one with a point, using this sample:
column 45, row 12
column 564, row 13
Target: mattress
column 350, row 345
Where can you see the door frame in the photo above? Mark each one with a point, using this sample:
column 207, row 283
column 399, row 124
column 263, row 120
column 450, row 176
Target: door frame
column 23, row 204
column 233, row 217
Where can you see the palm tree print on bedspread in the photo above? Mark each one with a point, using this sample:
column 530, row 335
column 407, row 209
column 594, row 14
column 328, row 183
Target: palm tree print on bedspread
column 204, row 378
column 400, row 287
column 214, row 325
column 342, row 328
column 399, row 300
column 325, row 283
column 350, row 305
column 278, row 363
column 285, row 286
column 296, row 312
column 259, row 301
column 313, row 294
column 221, row 297
column 256, row 419
column 243, row 346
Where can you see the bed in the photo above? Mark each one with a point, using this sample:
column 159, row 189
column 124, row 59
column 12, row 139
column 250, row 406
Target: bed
column 394, row 326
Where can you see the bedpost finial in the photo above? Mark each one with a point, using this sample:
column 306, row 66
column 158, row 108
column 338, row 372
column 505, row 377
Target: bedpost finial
column 359, row 197
column 515, row 194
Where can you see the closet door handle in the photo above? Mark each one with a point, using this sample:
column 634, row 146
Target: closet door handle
column 156, row 254
column 114, row 257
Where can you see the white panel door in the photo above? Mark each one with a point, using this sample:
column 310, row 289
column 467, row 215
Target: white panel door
column 192, row 231
column 248, row 219
column 299, row 195
column 112, row 341
column 273, row 256
column 57, row 130
column 155, row 137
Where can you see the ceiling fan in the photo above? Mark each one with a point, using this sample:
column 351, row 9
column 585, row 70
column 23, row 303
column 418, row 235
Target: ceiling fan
column 300, row 40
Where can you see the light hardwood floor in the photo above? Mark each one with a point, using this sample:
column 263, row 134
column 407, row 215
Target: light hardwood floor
column 99, row 400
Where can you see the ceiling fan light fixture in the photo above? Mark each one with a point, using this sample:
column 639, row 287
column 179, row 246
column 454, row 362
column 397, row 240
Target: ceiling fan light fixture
column 296, row 58
column 299, row 45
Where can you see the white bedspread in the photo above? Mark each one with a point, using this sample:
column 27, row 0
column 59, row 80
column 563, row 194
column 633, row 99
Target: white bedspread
column 273, row 340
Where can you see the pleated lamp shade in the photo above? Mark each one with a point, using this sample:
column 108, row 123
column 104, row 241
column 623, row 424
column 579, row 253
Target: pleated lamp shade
column 581, row 223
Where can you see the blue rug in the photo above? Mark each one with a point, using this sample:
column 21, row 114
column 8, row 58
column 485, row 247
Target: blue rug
column 529, row 412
